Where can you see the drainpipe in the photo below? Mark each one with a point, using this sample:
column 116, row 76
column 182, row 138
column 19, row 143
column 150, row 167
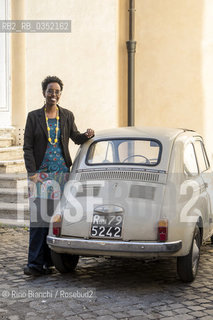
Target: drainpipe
column 131, row 49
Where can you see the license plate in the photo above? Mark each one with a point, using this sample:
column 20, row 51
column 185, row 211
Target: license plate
column 106, row 226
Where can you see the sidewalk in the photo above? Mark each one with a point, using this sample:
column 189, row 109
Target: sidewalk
column 101, row 288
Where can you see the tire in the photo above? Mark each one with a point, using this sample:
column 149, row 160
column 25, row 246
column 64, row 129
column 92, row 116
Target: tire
column 187, row 266
column 63, row 262
column 212, row 239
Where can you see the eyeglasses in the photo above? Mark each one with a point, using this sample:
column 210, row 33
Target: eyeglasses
column 51, row 91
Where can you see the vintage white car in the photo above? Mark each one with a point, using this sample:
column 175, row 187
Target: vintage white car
column 136, row 192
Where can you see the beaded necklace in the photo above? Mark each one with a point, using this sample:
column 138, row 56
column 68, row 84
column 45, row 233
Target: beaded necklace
column 48, row 128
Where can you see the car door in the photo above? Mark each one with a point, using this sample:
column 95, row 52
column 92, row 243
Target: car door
column 192, row 189
column 207, row 177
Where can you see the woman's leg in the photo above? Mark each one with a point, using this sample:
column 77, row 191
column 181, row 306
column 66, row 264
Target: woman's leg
column 39, row 255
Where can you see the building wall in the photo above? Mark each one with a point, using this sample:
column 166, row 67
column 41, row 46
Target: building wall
column 123, row 26
column 85, row 59
column 174, row 65
column 18, row 68
column 5, row 111
column 169, row 88
column 207, row 73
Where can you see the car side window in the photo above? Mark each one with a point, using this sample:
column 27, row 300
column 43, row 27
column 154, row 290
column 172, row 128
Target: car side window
column 102, row 152
column 190, row 162
column 201, row 156
column 205, row 155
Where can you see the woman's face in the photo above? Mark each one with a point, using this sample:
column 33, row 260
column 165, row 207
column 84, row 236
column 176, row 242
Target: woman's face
column 52, row 93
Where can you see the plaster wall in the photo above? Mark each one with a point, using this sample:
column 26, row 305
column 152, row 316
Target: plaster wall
column 169, row 88
column 207, row 73
column 85, row 59
column 174, row 65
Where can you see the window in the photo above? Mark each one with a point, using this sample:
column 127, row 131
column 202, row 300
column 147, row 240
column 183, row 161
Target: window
column 128, row 151
column 190, row 162
column 101, row 152
column 201, row 156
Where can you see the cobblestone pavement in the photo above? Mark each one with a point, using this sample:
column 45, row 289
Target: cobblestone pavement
column 101, row 288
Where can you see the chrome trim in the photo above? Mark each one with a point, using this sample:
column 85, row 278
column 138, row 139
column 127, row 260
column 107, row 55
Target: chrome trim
column 108, row 208
column 107, row 246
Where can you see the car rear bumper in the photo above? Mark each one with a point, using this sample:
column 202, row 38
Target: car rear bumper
column 109, row 247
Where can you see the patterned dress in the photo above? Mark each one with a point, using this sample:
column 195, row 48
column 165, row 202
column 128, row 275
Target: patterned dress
column 53, row 171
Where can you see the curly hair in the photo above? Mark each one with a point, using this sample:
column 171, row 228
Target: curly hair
column 50, row 79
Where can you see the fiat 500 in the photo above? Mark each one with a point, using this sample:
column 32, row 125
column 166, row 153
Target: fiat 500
column 136, row 192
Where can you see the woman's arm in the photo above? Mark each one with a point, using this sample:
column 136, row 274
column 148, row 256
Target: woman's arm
column 75, row 135
column 29, row 158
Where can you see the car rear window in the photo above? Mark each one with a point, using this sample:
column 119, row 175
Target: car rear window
column 146, row 152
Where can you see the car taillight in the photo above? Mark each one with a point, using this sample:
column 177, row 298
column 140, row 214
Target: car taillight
column 162, row 230
column 56, row 221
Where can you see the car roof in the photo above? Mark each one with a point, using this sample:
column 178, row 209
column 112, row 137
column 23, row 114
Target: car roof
column 139, row 132
column 166, row 136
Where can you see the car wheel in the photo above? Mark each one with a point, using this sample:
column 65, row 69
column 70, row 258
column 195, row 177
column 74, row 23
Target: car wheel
column 187, row 266
column 63, row 262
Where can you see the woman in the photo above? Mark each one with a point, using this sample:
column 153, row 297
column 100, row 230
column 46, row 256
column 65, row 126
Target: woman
column 48, row 162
